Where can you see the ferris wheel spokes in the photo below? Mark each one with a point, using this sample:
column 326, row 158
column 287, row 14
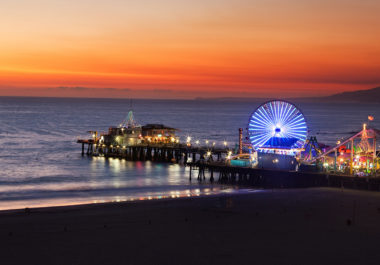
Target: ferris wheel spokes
column 277, row 124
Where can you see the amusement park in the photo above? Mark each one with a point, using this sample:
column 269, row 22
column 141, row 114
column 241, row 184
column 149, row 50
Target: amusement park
column 276, row 138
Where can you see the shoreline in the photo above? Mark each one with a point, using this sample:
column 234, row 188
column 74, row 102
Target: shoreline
column 228, row 191
column 287, row 226
column 201, row 191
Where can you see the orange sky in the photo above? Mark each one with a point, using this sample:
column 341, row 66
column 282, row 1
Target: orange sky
column 185, row 49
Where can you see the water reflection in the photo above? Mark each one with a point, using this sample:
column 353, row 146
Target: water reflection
column 107, row 180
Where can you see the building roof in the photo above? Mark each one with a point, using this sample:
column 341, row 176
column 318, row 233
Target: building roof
column 280, row 143
column 157, row 126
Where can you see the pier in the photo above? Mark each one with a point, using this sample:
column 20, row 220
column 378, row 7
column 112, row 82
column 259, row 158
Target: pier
column 208, row 164
column 279, row 153
column 270, row 178
column 162, row 152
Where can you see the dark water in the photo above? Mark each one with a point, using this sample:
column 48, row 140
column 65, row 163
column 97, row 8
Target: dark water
column 41, row 163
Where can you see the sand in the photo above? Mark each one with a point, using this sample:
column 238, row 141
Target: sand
column 305, row 226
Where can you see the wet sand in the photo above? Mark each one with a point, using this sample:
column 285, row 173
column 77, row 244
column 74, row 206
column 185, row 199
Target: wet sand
column 308, row 226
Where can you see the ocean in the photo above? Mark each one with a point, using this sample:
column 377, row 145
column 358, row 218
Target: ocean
column 41, row 164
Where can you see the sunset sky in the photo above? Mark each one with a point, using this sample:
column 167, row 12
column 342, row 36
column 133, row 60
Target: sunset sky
column 186, row 49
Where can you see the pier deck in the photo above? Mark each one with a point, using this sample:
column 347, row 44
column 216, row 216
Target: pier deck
column 270, row 178
column 170, row 152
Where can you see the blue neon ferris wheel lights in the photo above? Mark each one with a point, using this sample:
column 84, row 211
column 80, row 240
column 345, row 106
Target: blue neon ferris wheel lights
column 277, row 124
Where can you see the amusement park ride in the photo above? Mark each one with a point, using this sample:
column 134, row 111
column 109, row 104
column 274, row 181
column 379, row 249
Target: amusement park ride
column 278, row 136
column 355, row 155
column 277, row 133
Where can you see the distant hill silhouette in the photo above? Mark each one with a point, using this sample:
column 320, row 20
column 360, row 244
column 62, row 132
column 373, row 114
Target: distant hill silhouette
column 369, row 95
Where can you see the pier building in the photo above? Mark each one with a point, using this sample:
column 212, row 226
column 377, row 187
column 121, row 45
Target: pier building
column 129, row 133
column 159, row 133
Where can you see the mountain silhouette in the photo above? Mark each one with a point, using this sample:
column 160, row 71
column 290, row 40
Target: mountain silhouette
column 369, row 95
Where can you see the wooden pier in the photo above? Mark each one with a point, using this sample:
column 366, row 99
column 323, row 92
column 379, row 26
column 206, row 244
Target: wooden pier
column 155, row 152
column 269, row 178
column 208, row 164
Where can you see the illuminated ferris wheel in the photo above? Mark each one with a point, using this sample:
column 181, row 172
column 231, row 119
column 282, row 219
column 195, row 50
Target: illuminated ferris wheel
column 277, row 124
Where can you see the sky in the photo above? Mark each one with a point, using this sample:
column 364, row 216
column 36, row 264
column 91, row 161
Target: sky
column 187, row 49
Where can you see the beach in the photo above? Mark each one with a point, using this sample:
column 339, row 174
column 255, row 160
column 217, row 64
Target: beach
column 285, row 226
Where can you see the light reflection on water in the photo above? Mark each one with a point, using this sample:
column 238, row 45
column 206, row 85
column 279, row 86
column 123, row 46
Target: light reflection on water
column 107, row 180
column 49, row 202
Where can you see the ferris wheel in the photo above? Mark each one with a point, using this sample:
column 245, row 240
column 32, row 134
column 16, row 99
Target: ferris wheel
column 277, row 124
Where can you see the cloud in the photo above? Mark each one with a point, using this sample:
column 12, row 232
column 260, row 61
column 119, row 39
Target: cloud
column 80, row 88
column 111, row 89
column 158, row 90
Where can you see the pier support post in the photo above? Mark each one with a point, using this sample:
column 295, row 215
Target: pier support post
column 155, row 154
column 149, row 153
column 142, row 154
column 171, row 155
